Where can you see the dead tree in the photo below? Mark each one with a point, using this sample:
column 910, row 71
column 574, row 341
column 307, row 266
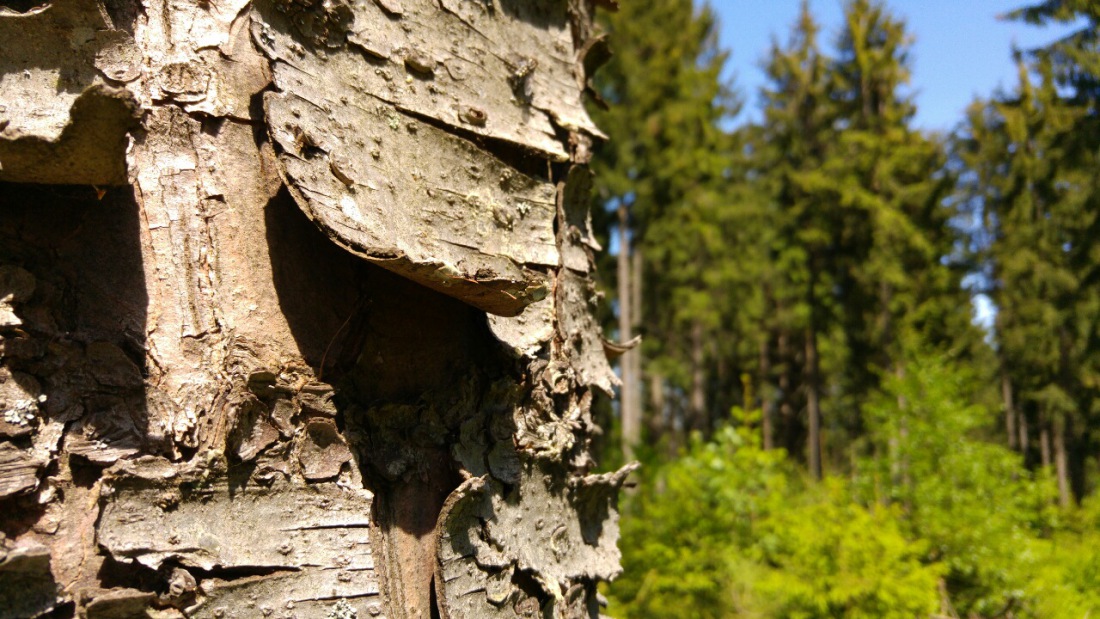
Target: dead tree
column 296, row 310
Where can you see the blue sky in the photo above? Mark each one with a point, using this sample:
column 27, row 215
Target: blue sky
column 961, row 51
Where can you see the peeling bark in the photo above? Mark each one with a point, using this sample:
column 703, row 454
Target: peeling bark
column 374, row 136
column 282, row 547
column 502, row 551
column 296, row 304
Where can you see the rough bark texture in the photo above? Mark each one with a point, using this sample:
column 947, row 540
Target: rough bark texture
column 296, row 311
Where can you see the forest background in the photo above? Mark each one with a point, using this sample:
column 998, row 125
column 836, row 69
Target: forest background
column 825, row 431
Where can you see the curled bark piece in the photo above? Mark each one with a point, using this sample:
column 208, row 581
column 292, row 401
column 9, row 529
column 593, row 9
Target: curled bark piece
column 384, row 166
column 18, row 471
column 450, row 225
column 614, row 350
column 506, row 552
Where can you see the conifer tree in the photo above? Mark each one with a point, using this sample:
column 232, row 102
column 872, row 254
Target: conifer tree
column 1039, row 202
column 1074, row 59
column 793, row 144
column 888, row 183
column 1033, row 156
column 862, row 231
column 663, row 171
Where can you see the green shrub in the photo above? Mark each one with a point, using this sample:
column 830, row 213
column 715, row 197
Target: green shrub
column 934, row 522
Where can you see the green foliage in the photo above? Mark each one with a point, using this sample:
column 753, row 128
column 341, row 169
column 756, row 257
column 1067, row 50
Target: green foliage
column 938, row 522
column 814, row 262
column 974, row 502
column 732, row 530
column 687, row 516
column 832, row 557
column 1075, row 59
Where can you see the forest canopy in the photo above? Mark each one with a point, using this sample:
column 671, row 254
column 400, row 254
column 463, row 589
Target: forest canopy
column 825, row 431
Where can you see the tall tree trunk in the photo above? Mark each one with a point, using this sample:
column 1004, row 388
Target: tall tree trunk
column 630, row 406
column 1010, row 411
column 1021, row 426
column 812, row 378
column 1044, row 442
column 786, row 408
column 636, row 284
column 321, row 335
column 698, row 398
column 813, row 410
column 658, row 418
column 767, row 401
column 1061, row 462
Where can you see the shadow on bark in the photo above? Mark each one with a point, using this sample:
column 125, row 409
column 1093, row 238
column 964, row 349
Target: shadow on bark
column 410, row 366
column 83, row 318
column 72, row 349
column 322, row 289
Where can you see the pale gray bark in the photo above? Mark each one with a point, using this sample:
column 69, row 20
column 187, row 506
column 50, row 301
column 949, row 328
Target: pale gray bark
column 630, row 408
column 308, row 331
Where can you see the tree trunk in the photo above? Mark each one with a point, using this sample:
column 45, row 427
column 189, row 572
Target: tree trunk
column 905, row 480
column 698, row 398
column 812, row 379
column 1061, row 463
column 1010, row 411
column 813, row 410
column 1021, row 425
column 308, row 329
column 767, row 400
column 630, row 406
column 786, row 409
column 635, row 357
column 657, row 421
column 1044, row 442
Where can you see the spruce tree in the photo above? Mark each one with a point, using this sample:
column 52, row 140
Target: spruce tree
column 1074, row 59
column 664, row 171
column 793, row 143
column 1040, row 211
column 888, row 182
column 862, row 229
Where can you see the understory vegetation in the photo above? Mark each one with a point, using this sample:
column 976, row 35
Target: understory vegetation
column 938, row 523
